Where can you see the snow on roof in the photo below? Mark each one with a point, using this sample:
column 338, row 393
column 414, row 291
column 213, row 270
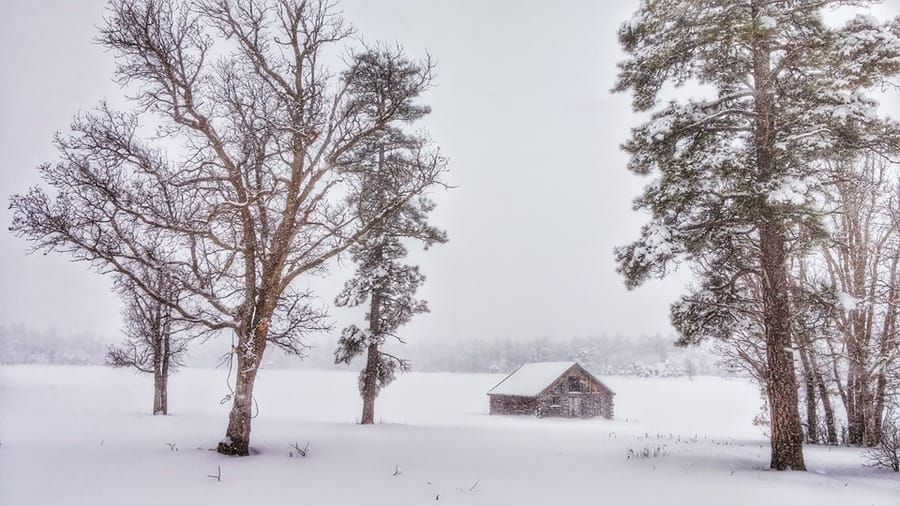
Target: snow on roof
column 531, row 379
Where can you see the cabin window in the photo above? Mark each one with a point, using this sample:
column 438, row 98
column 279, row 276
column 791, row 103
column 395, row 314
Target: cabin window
column 554, row 400
column 561, row 388
column 575, row 384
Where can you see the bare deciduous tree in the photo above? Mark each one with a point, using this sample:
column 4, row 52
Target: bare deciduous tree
column 241, row 179
column 861, row 265
column 886, row 451
column 154, row 338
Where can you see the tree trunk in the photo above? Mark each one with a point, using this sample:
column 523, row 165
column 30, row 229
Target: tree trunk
column 160, row 396
column 875, row 428
column 830, row 427
column 856, row 394
column 161, row 382
column 369, row 382
column 887, row 341
column 809, row 388
column 787, row 432
column 237, row 435
column 369, row 385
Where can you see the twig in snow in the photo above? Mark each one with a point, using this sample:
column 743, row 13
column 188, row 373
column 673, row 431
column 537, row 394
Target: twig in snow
column 475, row 485
column 397, row 470
column 300, row 451
column 173, row 447
column 218, row 475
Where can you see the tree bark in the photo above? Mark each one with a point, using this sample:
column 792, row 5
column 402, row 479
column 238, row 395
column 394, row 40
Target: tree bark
column 237, row 435
column 787, row 432
column 887, row 341
column 370, row 387
column 857, row 385
column 161, row 379
column 824, row 394
column 370, row 373
column 160, row 394
column 874, row 431
column 809, row 388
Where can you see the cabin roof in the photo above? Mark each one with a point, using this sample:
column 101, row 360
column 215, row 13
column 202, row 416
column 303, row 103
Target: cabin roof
column 530, row 380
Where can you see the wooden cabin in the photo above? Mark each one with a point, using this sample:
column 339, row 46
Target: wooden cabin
column 561, row 389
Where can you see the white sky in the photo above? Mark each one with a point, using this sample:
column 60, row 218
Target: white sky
column 521, row 108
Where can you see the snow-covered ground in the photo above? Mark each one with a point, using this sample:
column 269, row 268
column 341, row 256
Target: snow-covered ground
column 83, row 436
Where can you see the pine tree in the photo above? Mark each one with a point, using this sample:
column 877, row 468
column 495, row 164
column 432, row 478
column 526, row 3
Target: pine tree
column 736, row 173
column 383, row 168
column 389, row 287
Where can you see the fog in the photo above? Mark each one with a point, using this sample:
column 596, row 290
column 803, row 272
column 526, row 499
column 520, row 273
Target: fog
column 522, row 109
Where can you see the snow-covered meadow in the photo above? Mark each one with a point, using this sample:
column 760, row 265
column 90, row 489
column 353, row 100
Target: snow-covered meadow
column 84, row 436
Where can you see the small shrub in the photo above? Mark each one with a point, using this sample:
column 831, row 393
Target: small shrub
column 886, row 453
column 647, row 452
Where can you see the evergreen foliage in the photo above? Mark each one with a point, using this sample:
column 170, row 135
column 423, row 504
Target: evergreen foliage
column 384, row 166
column 739, row 170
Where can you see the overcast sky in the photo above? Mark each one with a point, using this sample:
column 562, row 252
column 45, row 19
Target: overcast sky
column 521, row 108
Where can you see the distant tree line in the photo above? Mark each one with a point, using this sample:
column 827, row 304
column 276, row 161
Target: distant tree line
column 20, row 344
column 603, row 355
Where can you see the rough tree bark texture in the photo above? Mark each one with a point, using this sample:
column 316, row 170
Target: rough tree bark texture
column 787, row 432
column 370, row 374
column 886, row 343
column 830, row 424
column 237, row 435
column 370, row 377
column 859, row 397
column 809, row 388
column 161, row 379
column 250, row 350
column 160, row 394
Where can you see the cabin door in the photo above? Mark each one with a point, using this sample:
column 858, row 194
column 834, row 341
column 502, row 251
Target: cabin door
column 574, row 406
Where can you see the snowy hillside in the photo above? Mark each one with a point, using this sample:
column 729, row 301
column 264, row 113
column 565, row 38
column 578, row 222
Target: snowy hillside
column 83, row 436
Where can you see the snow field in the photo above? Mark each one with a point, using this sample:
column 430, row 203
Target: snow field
column 84, row 436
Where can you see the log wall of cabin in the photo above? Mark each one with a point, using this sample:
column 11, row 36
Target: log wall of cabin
column 556, row 400
column 559, row 405
column 512, row 405
column 594, row 398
